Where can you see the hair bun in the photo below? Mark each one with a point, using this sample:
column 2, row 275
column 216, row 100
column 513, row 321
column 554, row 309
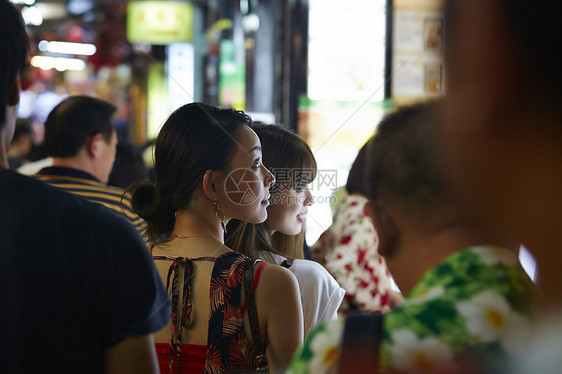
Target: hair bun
column 145, row 199
column 157, row 210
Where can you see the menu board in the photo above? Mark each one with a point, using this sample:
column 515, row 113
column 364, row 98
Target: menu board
column 159, row 22
column 417, row 62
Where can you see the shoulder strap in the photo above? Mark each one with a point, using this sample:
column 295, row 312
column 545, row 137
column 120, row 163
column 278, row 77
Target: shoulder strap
column 249, row 287
column 361, row 343
column 287, row 264
column 258, row 273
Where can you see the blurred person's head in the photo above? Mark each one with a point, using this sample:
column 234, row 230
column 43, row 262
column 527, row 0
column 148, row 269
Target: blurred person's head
column 203, row 155
column 356, row 178
column 403, row 172
column 503, row 129
column 79, row 133
column 128, row 167
column 292, row 163
column 14, row 47
column 419, row 216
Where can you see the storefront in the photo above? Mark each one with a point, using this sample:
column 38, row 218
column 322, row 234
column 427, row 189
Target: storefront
column 325, row 68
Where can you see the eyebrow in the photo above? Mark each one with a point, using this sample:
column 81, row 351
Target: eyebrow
column 256, row 148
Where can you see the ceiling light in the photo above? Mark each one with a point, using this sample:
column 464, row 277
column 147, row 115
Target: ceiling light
column 24, row 2
column 59, row 63
column 67, row 48
column 32, row 16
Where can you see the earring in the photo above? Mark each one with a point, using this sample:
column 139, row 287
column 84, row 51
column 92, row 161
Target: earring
column 220, row 215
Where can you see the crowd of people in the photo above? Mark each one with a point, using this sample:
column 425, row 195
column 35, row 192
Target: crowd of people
column 199, row 266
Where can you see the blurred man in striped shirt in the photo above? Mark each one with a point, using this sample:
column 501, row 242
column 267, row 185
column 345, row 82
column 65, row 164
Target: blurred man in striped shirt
column 81, row 138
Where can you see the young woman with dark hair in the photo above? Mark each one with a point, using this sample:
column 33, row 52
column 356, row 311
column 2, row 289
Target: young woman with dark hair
column 203, row 158
column 279, row 239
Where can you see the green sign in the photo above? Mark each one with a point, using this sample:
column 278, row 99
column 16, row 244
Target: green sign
column 157, row 100
column 232, row 76
column 159, row 22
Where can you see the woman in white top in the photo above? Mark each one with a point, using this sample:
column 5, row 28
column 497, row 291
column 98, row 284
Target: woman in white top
column 280, row 238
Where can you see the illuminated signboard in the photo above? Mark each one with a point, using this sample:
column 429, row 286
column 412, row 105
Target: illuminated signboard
column 159, row 22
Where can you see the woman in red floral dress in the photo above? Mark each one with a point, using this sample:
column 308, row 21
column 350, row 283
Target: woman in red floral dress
column 207, row 161
column 348, row 250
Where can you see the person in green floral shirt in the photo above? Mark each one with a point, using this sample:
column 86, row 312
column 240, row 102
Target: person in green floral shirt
column 467, row 305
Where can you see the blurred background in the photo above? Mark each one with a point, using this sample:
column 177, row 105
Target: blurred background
column 327, row 69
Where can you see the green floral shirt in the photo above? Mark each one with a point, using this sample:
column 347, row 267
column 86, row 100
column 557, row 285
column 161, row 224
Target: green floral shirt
column 476, row 302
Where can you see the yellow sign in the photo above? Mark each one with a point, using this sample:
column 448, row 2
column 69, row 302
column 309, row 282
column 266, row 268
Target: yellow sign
column 159, row 22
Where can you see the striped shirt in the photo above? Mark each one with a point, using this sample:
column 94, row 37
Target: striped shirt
column 84, row 184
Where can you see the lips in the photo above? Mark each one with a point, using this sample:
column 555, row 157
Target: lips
column 301, row 217
column 266, row 201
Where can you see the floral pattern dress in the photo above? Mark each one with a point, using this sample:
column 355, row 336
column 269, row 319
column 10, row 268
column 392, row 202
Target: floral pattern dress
column 348, row 250
column 228, row 348
column 476, row 303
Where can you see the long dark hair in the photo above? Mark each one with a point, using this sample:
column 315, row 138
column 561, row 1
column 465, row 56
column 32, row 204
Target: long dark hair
column 290, row 159
column 195, row 138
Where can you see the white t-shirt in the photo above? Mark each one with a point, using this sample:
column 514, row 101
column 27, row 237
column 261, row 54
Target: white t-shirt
column 321, row 295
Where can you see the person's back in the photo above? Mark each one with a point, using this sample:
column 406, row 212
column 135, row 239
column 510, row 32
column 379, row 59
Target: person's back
column 199, row 152
column 65, row 299
column 79, row 291
column 468, row 301
column 224, row 340
column 83, row 184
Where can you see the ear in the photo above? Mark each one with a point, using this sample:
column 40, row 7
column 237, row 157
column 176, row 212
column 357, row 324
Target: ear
column 94, row 146
column 210, row 184
column 385, row 226
column 14, row 97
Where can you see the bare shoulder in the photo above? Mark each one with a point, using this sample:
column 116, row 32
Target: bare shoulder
column 278, row 292
column 274, row 278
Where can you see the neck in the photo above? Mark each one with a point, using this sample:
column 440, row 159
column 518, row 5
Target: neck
column 7, row 131
column 78, row 162
column 4, row 146
column 199, row 220
column 427, row 249
column 3, row 160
